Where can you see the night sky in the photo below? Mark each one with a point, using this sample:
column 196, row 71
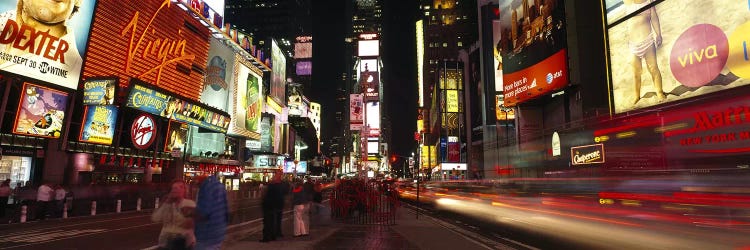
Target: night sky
column 398, row 52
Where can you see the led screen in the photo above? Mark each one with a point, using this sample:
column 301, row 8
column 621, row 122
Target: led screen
column 370, row 83
column 41, row 111
column 372, row 147
column 368, row 65
column 533, row 48
column 98, row 124
column 373, row 117
column 300, row 167
column 278, row 73
column 676, row 50
column 304, row 68
column 57, row 57
column 369, row 48
column 302, row 50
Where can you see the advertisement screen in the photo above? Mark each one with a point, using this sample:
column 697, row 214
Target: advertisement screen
column 304, row 68
column 533, row 49
column 676, row 50
column 371, row 85
column 98, row 124
column 55, row 56
column 267, row 133
column 451, row 97
column 278, row 74
column 498, row 59
column 177, row 136
column 124, row 39
column 300, row 167
column 249, row 96
column 373, row 117
column 302, row 50
column 369, row 48
column 159, row 103
column 99, row 91
column 370, row 65
column 41, row 111
column 356, row 111
column 218, row 75
column 372, row 147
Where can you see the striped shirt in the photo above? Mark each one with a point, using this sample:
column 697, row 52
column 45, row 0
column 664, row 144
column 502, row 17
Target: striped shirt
column 213, row 212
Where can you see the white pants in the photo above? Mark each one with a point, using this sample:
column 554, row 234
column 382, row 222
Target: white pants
column 306, row 217
column 300, row 227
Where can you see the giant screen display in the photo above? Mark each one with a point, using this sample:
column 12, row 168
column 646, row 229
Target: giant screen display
column 278, row 74
column 49, row 43
column 676, row 49
column 41, row 111
column 533, row 48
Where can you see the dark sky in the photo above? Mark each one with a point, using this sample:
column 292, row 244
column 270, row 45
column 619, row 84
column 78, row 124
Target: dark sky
column 399, row 61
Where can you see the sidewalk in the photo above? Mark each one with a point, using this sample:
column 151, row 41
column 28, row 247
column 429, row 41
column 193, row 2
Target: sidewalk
column 326, row 233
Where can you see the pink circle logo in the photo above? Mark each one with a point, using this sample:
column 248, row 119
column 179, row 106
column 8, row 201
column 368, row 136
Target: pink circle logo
column 699, row 55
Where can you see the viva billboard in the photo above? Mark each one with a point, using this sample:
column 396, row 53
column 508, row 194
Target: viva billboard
column 672, row 50
column 49, row 42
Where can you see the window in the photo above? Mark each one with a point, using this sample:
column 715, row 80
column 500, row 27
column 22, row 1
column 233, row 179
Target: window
column 460, row 44
column 445, row 45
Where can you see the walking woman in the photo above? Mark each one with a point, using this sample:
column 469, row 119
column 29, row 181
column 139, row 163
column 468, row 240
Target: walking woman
column 176, row 215
column 4, row 194
column 299, row 199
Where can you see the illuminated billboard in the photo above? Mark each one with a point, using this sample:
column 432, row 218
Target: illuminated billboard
column 99, row 91
column 498, row 59
column 98, row 124
column 372, row 146
column 368, row 65
column 356, row 111
column 501, row 112
column 368, row 48
column 692, row 50
column 304, row 68
column 248, row 95
column 302, row 50
column 176, row 136
column 50, row 44
column 219, row 74
column 278, row 74
column 371, row 85
column 267, row 124
column 372, row 111
column 41, row 111
column 451, row 102
column 300, row 168
column 420, row 63
column 123, row 40
column 534, row 49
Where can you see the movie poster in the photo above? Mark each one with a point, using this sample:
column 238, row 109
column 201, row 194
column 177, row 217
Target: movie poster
column 176, row 136
column 99, row 91
column 41, row 111
column 676, row 49
column 99, row 124
column 55, row 57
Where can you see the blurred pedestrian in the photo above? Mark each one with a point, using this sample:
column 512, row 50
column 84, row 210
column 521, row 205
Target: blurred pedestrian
column 273, row 201
column 176, row 215
column 4, row 195
column 299, row 199
column 44, row 200
column 318, row 197
column 60, row 194
column 309, row 191
column 212, row 215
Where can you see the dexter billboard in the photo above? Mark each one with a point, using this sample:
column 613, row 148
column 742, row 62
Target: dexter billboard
column 45, row 40
column 675, row 50
column 533, row 48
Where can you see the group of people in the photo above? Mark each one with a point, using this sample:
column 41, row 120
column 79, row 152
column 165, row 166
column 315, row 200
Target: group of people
column 304, row 194
column 46, row 201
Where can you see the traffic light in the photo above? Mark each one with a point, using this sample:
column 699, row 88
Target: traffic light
column 394, row 158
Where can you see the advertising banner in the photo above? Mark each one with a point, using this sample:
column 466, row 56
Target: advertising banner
column 155, row 41
column 676, row 50
column 454, row 152
column 98, row 124
column 443, row 149
column 501, row 112
column 371, row 85
column 589, row 154
column 267, row 133
column 249, row 96
column 451, row 101
column 368, row 65
column 219, row 74
column 176, row 136
column 373, row 118
column 299, row 168
column 304, row 68
column 368, row 48
column 533, row 49
column 356, row 111
column 302, row 50
column 166, row 105
column 99, row 91
column 278, row 74
column 41, row 111
column 48, row 46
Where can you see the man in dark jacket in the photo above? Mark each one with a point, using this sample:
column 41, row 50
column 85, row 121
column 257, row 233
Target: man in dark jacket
column 273, row 202
column 212, row 215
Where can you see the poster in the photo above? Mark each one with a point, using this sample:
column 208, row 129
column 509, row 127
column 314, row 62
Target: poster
column 99, row 91
column 356, row 111
column 99, row 124
column 693, row 50
column 267, row 133
column 176, row 136
column 533, row 48
column 278, row 74
column 54, row 57
column 41, row 111
column 249, row 100
column 219, row 74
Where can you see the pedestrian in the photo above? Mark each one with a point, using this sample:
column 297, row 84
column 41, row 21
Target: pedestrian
column 60, row 194
column 299, row 199
column 4, row 195
column 44, row 199
column 176, row 215
column 318, row 197
column 271, row 203
column 309, row 191
column 212, row 215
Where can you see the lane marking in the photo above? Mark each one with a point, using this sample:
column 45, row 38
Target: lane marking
column 77, row 236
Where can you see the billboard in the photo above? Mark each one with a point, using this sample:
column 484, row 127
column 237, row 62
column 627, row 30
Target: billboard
column 300, row 167
column 278, row 74
column 420, row 63
column 451, row 102
column 372, row 146
column 373, row 118
column 49, row 45
column 123, row 44
column 98, row 124
column 501, row 112
column 589, row 154
column 692, row 50
column 368, row 48
column 302, row 50
column 356, row 111
column 371, row 85
column 248, row 93
column 99, row 91
column 368, row 65
column 498, row 59
column 167, row 105
column 267, row 133
column 219, row 74
column 534, row 49
column 304, row 68
column 176, row 136
column 41, row 111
